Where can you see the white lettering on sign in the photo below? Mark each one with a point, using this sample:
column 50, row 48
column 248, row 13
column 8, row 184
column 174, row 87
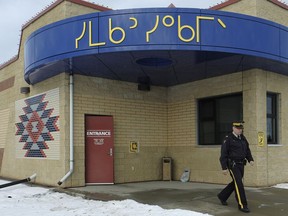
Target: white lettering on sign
column 98, row 133
column 99, row 141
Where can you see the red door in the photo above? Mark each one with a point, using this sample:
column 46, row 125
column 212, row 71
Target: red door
column 99, row 149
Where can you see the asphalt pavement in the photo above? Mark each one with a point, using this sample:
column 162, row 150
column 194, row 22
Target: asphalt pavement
column 198, row 197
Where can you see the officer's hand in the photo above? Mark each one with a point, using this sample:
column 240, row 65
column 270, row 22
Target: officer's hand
column 251, row 163
column 225, row 172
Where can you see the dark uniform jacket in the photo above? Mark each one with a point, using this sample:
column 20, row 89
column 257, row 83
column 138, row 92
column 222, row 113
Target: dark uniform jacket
column 234, row 149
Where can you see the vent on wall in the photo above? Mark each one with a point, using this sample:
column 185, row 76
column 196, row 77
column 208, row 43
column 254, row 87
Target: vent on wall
column 25, row 90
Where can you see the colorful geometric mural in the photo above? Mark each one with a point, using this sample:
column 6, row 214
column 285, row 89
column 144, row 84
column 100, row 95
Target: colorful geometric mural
column 38, row 128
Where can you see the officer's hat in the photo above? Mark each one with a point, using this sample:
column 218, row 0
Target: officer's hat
column 238, row 124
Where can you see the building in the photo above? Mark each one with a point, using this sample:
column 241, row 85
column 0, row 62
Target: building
column 102, row 96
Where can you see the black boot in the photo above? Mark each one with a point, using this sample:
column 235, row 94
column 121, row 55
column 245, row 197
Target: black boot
column 223, row 202
column 244, row 209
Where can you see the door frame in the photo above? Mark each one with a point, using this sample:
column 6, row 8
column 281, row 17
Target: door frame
column 85, row 148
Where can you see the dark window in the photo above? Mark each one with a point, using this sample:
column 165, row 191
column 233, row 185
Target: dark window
column 272, row 118
column 216, row 116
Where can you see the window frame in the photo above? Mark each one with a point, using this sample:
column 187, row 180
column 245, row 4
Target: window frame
column 215, row 119
column 274, row 116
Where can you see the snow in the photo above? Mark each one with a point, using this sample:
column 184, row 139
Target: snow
column 26, row 199
column 282, row 186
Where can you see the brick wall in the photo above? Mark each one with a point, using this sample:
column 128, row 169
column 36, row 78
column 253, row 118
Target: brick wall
column 138, row 116
column 163, row 120
column 260, row 8
column 16, row 168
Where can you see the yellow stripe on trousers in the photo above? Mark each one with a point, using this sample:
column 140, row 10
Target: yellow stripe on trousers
column 236, row 189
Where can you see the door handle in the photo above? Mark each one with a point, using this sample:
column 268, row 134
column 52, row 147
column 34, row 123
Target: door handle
column 110, row 153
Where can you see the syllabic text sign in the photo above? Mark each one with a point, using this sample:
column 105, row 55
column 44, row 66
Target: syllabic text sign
column 154, row 29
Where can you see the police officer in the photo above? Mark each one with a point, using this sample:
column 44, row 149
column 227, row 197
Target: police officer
column 235, row 152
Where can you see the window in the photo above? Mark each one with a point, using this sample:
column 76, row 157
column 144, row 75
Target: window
column 272, row 118
column 216, row 116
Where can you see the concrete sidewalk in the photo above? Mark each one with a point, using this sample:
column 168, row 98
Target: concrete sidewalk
column 198, row 197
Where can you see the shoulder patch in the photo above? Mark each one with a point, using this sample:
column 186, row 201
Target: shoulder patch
column 225, row 139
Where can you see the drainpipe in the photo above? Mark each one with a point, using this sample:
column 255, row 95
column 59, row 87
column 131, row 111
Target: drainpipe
column 71, row 83
column 19, row 181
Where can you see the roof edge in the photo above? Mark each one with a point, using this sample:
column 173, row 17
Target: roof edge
column 57, row 2
column 224, row 4
column 10, row 61
column 230, row 2
column 89, row 4
column 280, row 4
column 44, row 11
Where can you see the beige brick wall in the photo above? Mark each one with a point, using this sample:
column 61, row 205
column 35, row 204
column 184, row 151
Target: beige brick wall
column 48, row 171
column 260, row 8
column 268, row 10
column 247, row 7
column 138, row 116
column 277, row 155
column 163, row 120
column 204, row 161
column 62, row 11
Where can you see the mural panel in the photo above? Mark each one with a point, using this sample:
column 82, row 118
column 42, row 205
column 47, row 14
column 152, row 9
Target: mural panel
column 37, row 126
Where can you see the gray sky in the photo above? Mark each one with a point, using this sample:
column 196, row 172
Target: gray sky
column 15, row 13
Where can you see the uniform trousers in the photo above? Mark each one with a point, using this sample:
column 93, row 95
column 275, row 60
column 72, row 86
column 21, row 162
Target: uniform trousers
column 237, row 173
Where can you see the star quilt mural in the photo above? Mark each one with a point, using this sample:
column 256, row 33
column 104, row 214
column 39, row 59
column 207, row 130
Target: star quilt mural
column 37, row 126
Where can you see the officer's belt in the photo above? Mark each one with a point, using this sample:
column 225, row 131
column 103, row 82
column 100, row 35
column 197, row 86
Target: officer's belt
column 238, row 161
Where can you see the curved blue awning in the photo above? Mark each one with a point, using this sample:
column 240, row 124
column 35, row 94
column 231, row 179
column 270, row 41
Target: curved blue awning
column 170, row 46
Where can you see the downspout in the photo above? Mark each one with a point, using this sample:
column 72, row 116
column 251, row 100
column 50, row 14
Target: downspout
column 19, row 181
column 71, row 83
